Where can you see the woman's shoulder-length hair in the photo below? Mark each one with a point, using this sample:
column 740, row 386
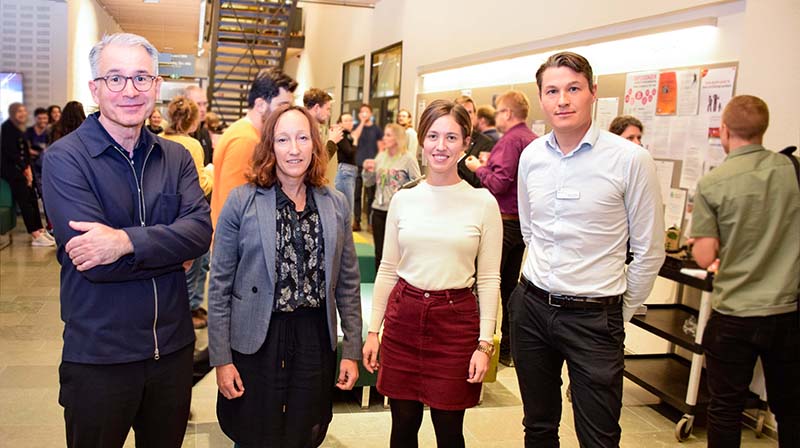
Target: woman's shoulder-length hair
column 264, row 170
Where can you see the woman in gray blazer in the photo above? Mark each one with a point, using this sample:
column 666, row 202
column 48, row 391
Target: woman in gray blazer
column 283, row 264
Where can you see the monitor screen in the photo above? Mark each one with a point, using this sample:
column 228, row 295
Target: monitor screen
column 10, row 92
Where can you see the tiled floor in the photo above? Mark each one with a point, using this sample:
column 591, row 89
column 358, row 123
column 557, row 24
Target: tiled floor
column 30, row 346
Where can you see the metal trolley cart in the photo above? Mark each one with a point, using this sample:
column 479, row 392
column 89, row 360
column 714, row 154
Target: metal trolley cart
column 675, row 380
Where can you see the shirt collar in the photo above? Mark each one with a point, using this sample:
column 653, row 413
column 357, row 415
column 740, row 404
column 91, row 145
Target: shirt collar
column 282, row 199
column 588, row 141
column 98, row 140
column 746, row 149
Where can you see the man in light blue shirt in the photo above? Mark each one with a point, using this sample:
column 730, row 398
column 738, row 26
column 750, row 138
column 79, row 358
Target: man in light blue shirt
column 583, row 192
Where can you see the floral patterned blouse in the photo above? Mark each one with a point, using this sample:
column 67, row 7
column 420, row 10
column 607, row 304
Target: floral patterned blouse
column 300, row 257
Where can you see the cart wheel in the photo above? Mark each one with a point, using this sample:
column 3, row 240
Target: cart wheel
column 684, row 428
column 760, row 424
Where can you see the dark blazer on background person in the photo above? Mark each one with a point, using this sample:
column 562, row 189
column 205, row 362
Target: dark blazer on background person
column 479, row 143
column 242, row 285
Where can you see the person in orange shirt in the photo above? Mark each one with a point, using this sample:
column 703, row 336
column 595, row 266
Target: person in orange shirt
column 232, row 157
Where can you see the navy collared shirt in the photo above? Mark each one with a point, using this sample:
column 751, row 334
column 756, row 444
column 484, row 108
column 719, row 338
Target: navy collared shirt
column 135, row 308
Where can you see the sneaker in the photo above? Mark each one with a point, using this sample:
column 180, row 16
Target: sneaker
column 42, row 241
column 356, row 227
column 199, row 318
column 49, row 236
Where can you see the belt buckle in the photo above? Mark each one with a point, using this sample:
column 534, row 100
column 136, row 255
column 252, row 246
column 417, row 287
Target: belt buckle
column 550, row 297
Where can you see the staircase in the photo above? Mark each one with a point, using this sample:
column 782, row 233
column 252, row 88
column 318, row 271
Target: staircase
column 248, row 35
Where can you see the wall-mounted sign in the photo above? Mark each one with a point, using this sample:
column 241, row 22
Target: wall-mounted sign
column 176, row 65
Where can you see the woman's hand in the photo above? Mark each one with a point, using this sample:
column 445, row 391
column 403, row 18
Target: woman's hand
column 478, row 365
column 229, row 382
column 28, row 175
column 348, row 374
column 369, row 165
column 370, row 352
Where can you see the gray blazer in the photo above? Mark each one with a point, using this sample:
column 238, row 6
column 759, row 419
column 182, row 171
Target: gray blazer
column 242, row 285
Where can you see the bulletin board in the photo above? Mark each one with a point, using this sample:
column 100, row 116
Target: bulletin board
column 681, row 132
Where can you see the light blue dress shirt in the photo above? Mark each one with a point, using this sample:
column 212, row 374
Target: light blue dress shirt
column 577, row 212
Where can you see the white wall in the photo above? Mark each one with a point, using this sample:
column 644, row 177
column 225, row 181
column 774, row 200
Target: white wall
column 334, row 34
column 770, row 66
column 433, row 32
column 87, row 23
column 32, row 38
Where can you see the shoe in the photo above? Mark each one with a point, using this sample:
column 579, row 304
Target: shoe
column 42, row 241
column 199, row 318
column 507, row 360
column 49, row 236
column 356, row 227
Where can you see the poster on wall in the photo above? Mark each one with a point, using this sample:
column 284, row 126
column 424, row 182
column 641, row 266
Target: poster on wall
column 667, row 102
column 607, row 109
column 716, row 89
column 688, row 91
column 641, row 89
column 640, row 94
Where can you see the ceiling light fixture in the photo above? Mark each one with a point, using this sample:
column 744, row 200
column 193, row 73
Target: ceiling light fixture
column 151, row 1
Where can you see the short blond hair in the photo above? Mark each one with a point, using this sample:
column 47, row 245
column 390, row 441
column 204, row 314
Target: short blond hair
column 517, row 102
column 746, row 117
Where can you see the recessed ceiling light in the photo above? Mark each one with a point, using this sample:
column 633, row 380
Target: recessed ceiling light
column 151, row 1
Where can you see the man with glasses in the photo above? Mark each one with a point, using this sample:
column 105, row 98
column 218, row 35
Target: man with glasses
column 128, row 211
column 499, row 176
column 478, row 143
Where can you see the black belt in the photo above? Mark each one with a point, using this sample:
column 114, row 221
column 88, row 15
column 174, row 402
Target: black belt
column 567, row 301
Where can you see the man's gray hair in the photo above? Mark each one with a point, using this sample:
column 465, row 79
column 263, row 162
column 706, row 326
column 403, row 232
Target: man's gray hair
column 193, row 88
column 123, row 39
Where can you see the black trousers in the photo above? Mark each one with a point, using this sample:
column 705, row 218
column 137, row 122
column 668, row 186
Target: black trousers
column 732, row 345
column 378, row 231
column 102, row 402
column 25, row 197
column 288, row 385
column 510, row 263
column 369, row 196
column 591, row 341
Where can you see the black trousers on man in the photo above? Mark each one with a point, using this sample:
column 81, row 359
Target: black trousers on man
column 103, row 402
column 369, row 196
column 592, row 342
column 25, row 197
column 510, row 263
column 732, row 345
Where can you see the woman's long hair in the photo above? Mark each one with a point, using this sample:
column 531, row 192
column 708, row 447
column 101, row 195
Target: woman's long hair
column 71, row 118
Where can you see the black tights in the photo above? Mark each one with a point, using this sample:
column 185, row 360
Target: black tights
column 407, row 418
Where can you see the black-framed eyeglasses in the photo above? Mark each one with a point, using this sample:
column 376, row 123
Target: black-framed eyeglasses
column 117, row 83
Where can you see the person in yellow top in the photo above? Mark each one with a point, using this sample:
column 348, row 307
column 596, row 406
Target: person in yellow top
column 184, row 117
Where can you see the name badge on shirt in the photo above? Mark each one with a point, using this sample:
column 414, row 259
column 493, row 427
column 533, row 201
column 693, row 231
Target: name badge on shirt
column 567, row 193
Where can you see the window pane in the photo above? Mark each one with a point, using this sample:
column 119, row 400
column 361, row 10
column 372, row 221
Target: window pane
column 386, row 72
column 353, row 81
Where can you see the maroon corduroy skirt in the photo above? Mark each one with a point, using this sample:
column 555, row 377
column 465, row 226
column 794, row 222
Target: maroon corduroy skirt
column 428, row 340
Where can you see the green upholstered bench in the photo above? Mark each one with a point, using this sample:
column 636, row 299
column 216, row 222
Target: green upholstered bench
column 365, row 379
column 8, row 217
column 366, row 261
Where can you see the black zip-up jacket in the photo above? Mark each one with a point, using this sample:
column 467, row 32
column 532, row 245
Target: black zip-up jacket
column 137, row 307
